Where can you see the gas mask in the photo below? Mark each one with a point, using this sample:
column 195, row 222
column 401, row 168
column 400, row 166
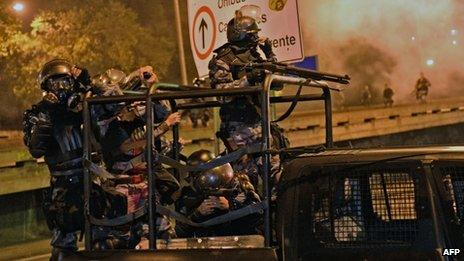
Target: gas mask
column 61, row 91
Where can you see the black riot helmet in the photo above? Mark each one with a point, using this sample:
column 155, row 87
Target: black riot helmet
column 57, row 68
column 243, row 28
column 212, row 179
column 200, row 156
column 56, row 79
column 109, row 83
column 114, row 76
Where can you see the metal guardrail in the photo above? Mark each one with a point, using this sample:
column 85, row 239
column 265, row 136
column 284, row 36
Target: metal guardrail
column 187, row 93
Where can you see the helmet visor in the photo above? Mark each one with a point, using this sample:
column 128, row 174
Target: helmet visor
column 247, row 25
column 60, row 83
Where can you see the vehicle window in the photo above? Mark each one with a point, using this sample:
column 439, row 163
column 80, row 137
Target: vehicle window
column 347, row 217
column 393, row 196
column 368, row 207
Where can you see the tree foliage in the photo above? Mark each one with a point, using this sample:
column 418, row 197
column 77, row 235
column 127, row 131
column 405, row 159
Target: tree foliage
column 11, row 39
column 97, row 35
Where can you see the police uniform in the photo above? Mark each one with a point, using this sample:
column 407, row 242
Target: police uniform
column 388, row 96
column 127, row 127
column 53, row 130
column 422, row 83
column 220, row 181
column 240, row 117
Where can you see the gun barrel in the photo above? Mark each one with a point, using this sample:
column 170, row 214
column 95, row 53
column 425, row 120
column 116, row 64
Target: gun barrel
column 282, row 68
column 306, row 73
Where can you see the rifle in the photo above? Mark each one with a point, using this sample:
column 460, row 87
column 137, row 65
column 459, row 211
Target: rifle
column 285, row 69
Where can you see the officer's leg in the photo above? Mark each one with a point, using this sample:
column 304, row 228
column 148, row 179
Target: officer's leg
column 206, row 117
column 114, row 238
column 64, row 240
column 167, row 185
column 66, row 214
column 63, row 244
column 167, row 191
column 194, row 117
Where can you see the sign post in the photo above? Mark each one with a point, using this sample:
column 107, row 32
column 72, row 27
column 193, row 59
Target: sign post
column 208, row 26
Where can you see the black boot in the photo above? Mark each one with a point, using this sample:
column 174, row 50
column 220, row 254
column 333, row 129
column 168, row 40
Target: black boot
column 59, row 254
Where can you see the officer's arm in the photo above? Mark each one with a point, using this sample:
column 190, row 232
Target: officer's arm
column 221, row 76
column 266, row 46
column 137, row 138
column 37, row 129
column 82, row 76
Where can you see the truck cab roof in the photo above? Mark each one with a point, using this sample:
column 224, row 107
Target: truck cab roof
column 347, row 155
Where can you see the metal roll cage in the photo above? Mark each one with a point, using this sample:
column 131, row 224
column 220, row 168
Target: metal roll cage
column 175, row 92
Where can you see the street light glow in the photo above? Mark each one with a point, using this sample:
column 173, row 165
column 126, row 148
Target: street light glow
column 18, row 7
column 430, row 62
column 454, row 32
column 413, row 38
column 455, row 42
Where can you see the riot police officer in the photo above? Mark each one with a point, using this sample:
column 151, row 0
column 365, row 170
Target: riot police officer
column 388, row 96
column 366, row 96
column 422, row 88
column 215, row 192
column 52, row 129
column 240, row 116
column 122, row 130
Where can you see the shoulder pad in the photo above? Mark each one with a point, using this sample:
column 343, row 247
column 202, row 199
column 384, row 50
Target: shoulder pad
column 226, row 56
column 223, row 50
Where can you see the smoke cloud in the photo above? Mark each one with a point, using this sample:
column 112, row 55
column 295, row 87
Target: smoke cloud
column 388, row 41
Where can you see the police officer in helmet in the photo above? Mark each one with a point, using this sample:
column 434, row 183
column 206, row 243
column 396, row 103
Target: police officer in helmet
column 52, row 129
column 199, row 200
column 212, row 193
column 242, row 33
column 63, row 84
column 240, row 116
column 122, row 132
